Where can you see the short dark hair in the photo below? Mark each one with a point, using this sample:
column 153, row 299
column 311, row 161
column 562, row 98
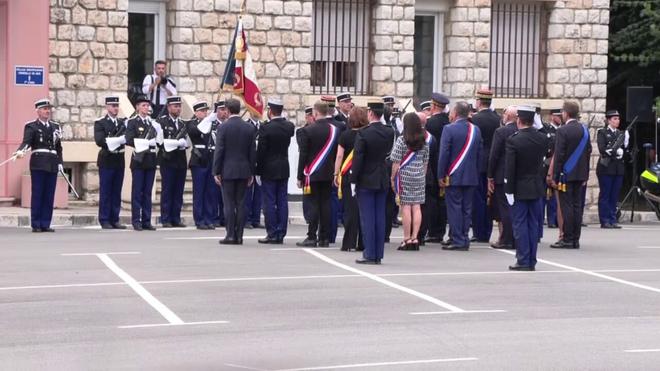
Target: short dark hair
column 526, row 121
column 160, row 61
column 413, row 133
column 571, row 108
column 277, row 111
column 233, row 106
column 321, row 107
column 358, row 118
column 462, row 109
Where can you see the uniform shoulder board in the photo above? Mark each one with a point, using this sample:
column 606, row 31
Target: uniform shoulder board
column 514, row 134
column 163, row 116
column 99, row 118
column 54, row 122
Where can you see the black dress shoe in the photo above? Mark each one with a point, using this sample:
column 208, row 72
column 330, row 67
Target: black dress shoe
column 558, row 245
column 36, row 230
column 202, row 227
column 217, row 225
column 367, row 261
column 456, row 248
column 387, row 240
column 51, row 230
column 517, row 267
column 248, row 226
column 227, row 241
column 395, row 225
column 307, row 243
column 433, row 240
column 239, row 241
column 616, row 226
column 118, row 226
column 167, row 225
column 584, row 225
column 210, row 227
column 137, row 227
column 448, row 242
column 106, row 226
column 474, row 239
column 324, row 243
column 606, row 226
column 148, row 227
column 258, row 226
column 267, row 240
column 565, row 245
column 359, row 248
column 502, row 246
column 179, row 225
column 552, row 226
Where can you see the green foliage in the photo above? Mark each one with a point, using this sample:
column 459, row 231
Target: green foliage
column 635, row 31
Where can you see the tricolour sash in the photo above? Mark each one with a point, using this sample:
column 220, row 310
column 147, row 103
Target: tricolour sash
column 345, row 167
column 320, row 159
column 405, row 161
column 573, row 159
column 469, row 140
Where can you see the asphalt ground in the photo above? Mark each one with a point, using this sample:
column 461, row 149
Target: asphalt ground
column 87, row 299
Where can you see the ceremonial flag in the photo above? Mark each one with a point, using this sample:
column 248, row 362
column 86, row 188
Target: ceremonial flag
column 240, row 75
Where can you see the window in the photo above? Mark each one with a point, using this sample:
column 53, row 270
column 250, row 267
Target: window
column 341, row 39
column 517, row 49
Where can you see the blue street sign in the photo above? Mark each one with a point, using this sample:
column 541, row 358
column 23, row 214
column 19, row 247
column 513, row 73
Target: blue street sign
column 29, row 75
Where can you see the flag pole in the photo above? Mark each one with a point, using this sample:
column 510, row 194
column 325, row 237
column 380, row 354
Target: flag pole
column 242, row 9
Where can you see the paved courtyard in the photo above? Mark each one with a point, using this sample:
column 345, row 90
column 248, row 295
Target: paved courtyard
column 84, row 299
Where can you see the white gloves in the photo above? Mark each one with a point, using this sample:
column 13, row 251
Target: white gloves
column 114, row 142
column 60, row 168
column 152, row 142
column 19, row 154
column 619, row 153
column 509, row 198
column 353, row 189
column 182, row 142
column 257, row 179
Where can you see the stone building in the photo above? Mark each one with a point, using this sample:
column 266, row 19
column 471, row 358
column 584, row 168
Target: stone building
column 525, row 50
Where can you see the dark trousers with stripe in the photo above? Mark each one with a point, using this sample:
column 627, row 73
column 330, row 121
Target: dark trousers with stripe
column 352, row 237
column 110, row 184
column 205, row 195
column 504, row 210
column 525, row 229
column 276, row 207
column 43, row 197
column 572, row 210
column 220, row 210
column 482, row 222
column 459, row 213
column 173, row 182
column 141, row 187
column 610, row 186
column 253, row 204
column 334, row 214
column 372, row 204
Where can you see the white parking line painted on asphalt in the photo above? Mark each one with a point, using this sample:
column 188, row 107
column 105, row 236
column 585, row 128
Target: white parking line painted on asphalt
column 383, row 364
column 648, row 247
column 590, row 273
column 61, row 286
column 467, row 311
column 175, row 324
column 385, row 282
column 642, row 350
column 106, row 253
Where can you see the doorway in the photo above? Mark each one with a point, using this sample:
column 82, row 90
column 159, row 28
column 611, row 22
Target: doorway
column 146, row 41
column 428, row 54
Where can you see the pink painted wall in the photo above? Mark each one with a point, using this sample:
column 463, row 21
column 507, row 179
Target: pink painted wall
column 23, row 41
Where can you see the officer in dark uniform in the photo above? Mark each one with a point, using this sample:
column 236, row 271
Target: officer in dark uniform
column 205, row 191
column 109, row 131
column 426, row 108
column 309, row 119
column 273, row 171
column 143, row 135
column 458, row 173
column 370, row 179
column 253, row 192
column 173, row 164
column 612, row 144
column 434, row 210
column 43, row 137
column 524, row 186
column 487, row 121
column 496, row 177
column 345, row 105
column 317, row 148
column 571, row 172
column 221, row 115
column 551, row 199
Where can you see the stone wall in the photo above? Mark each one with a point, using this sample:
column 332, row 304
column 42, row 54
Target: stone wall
column 88, row 60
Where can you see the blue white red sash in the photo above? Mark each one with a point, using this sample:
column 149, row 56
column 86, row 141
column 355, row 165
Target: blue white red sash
column 469, row 140
column 320, row 158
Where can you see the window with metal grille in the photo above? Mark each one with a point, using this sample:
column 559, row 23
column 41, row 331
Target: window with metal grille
column 340, row 46
column 518, row 49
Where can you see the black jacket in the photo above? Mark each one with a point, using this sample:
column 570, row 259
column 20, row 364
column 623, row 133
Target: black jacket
column 615, row 166
column 488, row 121
column 235, row 151
column 137, row 128
column 432, row 167
column 45, row 143
column 566, row 141
column 436, row 123
column 525, row 151
column 104, row 128
column 311, row 139
column 372, row 147
column 177, row 158
column 202, row 145
column 273, row 149
column 497, row 150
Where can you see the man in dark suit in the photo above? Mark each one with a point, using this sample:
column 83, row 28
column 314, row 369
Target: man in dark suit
column 173, row 164
column 318, row 146
column 205, row 190
column 221, row 115
column 460, row 151
column 496, row 177
column 370, row 179
column 487, row 121
column 612, row 144
column 109, row 130
column 524, row 186
column 333, row 116
column 571, row 172
column 233, row 167
column 43, row 137
column 143, row 135
column 273, row 171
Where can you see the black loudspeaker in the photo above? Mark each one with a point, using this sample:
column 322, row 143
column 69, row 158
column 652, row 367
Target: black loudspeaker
column 639, row 104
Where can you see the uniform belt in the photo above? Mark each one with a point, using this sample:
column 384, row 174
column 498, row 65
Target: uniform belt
column 43, row 150
column 200, row 146
column 212, row 148
column 118, row 151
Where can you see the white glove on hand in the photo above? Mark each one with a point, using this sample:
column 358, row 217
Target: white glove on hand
column 619, row 153
column 19, row 154
column 182, row 142
column 152, row 142
column 509, row 198
column 353, row 189
column 609, row 152
column 60, row 168
column 257, row 179
column 123, row 139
